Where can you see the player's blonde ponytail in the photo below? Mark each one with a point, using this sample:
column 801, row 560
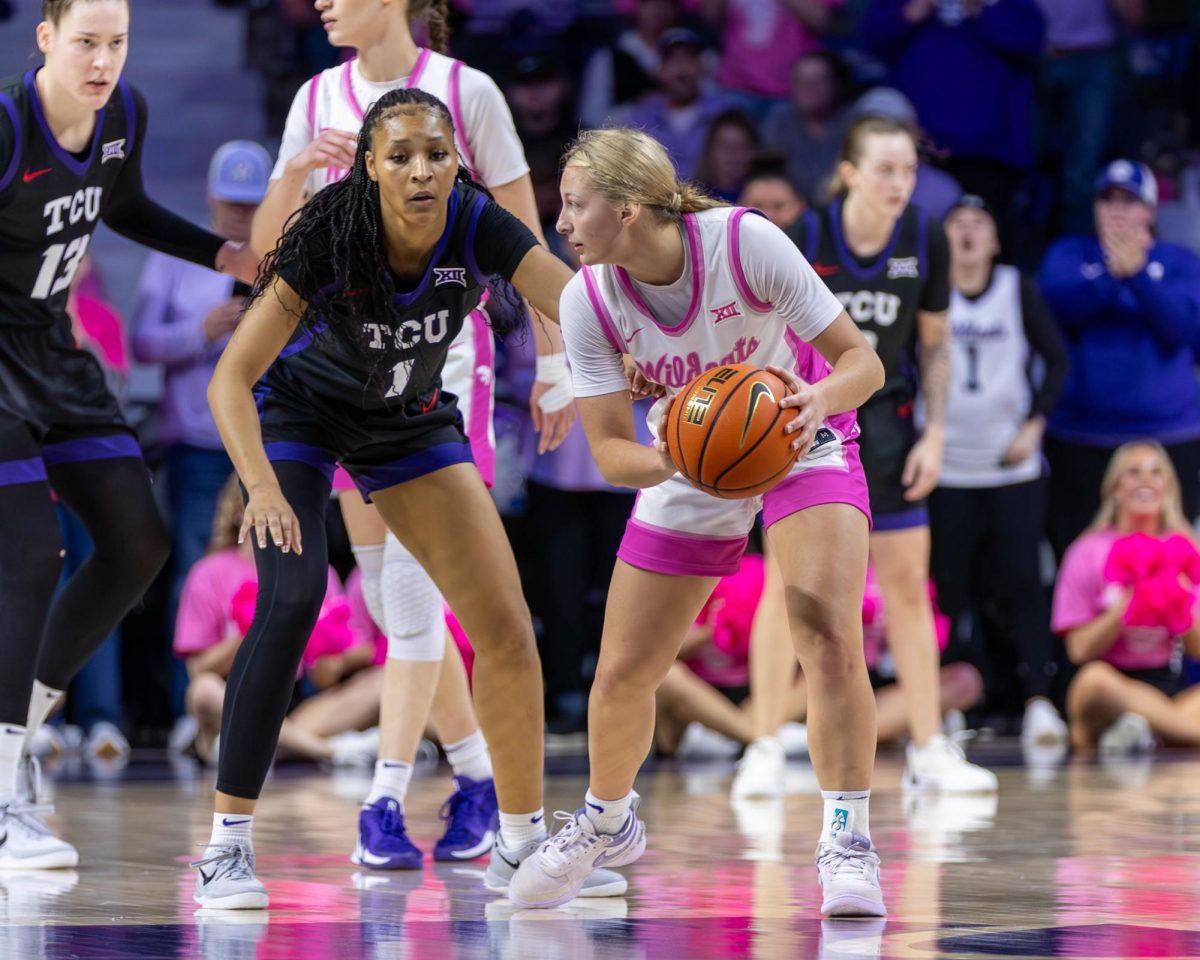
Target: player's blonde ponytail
column 629, row 166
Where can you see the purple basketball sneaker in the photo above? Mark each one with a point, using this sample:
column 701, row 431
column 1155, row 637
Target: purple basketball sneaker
column 472, row 819
column 382, row 842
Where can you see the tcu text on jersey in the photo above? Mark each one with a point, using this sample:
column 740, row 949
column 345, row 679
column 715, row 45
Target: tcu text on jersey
column 61, row 260
column 871, row 306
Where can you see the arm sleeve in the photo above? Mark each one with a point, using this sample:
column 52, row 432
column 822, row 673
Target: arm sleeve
column 1047, row 343
column 501, row 242
column 491, row 133
column 596, row 366
column 779, row 274
column 134, row 215
column 157, row 337
column 297, row 134
column 1170, row 307
column 1074, row 299
column 935, row 297
column 203, row 611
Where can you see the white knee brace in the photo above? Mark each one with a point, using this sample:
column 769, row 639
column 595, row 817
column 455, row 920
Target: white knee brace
column 412, row 606
column 370, row 563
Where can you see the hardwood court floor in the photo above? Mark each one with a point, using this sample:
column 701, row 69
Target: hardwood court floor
column 1081, row 861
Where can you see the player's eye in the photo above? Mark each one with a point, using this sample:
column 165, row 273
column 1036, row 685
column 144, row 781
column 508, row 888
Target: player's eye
column 440, row 154
column 399, row 158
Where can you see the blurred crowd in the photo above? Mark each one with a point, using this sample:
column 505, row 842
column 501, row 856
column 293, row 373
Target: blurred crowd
column 1073, row 126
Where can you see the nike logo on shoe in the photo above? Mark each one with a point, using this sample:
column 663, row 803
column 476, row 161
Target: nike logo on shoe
column 512, row 863
column 484, row 845
column 372, row 859
column 206, row 877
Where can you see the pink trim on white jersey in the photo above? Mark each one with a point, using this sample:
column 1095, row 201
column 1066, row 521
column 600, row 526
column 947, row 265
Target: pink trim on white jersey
column 606, row 323
column 457, row 114
column 735, row 258
column 696, row 252
column 810, row 367
column 483, row 379
column 313, row 86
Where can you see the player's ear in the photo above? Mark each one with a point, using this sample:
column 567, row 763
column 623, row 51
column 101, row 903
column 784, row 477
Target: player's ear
column 369, row 156
column 43, row 36
column 628, row 213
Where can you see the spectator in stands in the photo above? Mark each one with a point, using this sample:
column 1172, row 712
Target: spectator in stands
column 968, row 67
column 809, row 128
column 728, row 155
column 770, row 190
column 215, row 611
column 182, row 320
column 760, row 40
column 1129, row 308
column 1124, row 603
column 627, row 68
column 1077, row 85
column 681, row 113
column 988, row 512
column 539, row 93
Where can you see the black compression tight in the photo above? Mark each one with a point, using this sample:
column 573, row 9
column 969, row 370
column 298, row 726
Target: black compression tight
column 53, row 639
column 291, row 589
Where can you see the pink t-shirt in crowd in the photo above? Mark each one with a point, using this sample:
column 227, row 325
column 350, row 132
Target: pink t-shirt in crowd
column 761, row 40
column 1082, row 594
column 361, row 624
column 206, row 614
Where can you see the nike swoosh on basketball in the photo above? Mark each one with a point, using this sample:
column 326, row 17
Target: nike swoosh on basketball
column 484, row 845
column 34, row 174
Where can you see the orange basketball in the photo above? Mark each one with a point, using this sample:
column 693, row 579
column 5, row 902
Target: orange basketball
column 725, row 431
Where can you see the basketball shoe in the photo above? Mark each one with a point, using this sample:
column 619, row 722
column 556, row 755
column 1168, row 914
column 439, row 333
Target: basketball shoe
column 942, row 765
column 383, row 843
column 505, row 863
column 27, row 843
column 560, row 866
column 848, row 869
column 472, row 820
column 760, row 771
column 228, row 883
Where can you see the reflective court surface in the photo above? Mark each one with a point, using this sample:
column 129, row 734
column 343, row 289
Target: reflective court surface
column 1080, row 860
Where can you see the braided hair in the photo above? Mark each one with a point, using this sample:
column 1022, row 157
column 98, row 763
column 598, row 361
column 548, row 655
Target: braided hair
column 436, row 14
column 339, row 231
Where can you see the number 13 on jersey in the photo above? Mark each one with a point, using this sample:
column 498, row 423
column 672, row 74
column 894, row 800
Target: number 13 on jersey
column 59, row 264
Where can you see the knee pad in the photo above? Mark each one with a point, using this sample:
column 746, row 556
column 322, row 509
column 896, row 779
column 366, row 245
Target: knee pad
column 412, row 605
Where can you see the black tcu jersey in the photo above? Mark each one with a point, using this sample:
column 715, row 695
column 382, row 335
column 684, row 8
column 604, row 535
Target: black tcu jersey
column 324, row 374
column 882, row 294
column 51, row 200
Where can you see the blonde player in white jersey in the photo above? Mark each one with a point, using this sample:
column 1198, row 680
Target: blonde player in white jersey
column 684, row 284
column 421, row 684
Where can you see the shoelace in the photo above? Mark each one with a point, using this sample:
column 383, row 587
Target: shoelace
column 239, row 867
column 33, row 766
column 836, row 857
column 392, row 822
column 457, row 810
column 29, row 815
column 558, row 849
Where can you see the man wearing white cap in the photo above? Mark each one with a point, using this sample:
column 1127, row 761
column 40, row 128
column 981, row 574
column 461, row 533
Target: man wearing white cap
column 183, row 318
column 1129, row 309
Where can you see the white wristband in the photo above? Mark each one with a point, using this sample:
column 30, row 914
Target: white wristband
column 552, row 369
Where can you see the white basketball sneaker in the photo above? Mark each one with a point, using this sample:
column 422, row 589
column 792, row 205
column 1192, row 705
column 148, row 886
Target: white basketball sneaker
column 760, row 771
column 848, row 868
column 942, row 765
column 1042, row 726
column 1130, row 733
column 27, row 843
column 225, row 879
column 558, row 869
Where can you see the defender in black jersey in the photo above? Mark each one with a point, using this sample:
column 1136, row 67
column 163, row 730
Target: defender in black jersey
column 71, row 136
column 889, row 265
column 339, row 357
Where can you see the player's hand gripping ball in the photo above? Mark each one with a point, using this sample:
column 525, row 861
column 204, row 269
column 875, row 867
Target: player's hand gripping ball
column 725, row 431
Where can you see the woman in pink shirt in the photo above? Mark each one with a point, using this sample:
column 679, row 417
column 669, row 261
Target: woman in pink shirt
column 1123, row 605
column 215, row 610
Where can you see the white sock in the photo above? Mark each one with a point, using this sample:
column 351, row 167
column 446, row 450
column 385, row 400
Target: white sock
column 519, row 829
column 370, row 562
column 469, row 757
column 391, row 780
column 12, row 745
column 41, row 704
column 608, row 816
column 846, row 810
column 229, row 828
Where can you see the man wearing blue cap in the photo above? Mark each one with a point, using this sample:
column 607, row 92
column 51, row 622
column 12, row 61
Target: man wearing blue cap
column 183, row 318
column 1129, row 309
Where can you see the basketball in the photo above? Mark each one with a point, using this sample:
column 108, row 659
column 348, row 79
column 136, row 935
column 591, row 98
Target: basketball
column 725, row 431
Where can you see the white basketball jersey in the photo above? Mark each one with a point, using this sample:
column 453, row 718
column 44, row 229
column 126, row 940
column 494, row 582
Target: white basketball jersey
column 725, row 322
column 990, row 390
column 333, row 103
